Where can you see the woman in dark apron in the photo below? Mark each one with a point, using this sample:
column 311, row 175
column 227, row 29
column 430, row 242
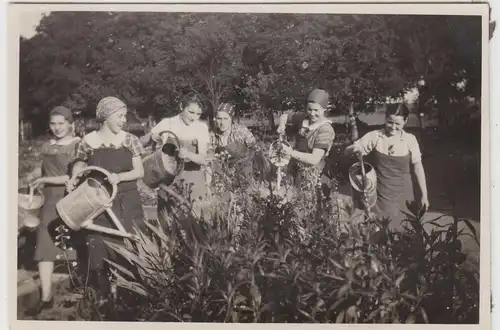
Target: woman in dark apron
column 396, row 156
column 57, row 155
column 118, row 152
column 314, row 137
column 192, row 182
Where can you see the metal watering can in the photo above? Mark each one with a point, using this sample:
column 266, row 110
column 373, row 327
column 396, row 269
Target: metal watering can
column 30, row 202
column 163, row 165
column 87, row 201
column 277, row 158
column 363, row 181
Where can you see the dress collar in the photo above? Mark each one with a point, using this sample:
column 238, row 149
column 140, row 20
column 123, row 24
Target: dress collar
column 382, row 134
column 64, row 142
column 94, row 140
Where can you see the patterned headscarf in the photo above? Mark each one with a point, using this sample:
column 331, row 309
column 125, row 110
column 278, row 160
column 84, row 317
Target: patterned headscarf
column 226, row 107
column 108, row 106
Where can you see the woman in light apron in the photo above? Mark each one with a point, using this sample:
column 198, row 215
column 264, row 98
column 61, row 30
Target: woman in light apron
column 194, row 138
column 118, row 152
column 57, row 155
column 396, row 156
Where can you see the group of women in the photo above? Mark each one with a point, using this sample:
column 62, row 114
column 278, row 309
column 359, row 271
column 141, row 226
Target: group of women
column 120, row 153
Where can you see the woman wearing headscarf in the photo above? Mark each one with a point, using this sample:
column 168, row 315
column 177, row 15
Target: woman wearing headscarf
column 119, row 152
column 236, row 141
column 314, row 137
column 194, row 140
column 57, row 155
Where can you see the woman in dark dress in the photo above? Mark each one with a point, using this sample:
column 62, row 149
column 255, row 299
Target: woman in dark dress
column 57, row 155
column 118, row 152
column 396, row 156
column 314, row 136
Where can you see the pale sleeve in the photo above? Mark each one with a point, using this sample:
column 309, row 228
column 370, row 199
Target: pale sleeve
column 414, row 148
column 163, row 125
column 203, row 137
column 367, row 142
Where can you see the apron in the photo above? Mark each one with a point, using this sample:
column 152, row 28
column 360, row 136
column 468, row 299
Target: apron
column 55, row 163
column 191, row 184
column 394, row 187
column 126, row 206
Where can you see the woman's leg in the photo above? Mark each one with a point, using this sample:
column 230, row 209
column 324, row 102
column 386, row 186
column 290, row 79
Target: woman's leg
column 46, row 269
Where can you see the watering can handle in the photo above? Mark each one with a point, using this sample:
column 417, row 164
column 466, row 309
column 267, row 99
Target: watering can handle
column 105, row 172
column 31, row 193
column 171, row 133
column 362, row 164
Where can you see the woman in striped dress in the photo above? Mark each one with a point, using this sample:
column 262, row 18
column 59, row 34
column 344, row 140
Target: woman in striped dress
column 314, row 137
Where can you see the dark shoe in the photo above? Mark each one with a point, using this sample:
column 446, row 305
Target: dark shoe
column 42, row 305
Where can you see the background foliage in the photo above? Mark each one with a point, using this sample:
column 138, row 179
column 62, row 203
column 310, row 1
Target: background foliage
column 264, row 62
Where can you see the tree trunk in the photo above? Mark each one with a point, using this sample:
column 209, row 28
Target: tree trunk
column 21, row 130
column 270, row 117
column 352, row 122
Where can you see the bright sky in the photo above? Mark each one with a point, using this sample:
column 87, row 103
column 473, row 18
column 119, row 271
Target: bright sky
column 30, row 22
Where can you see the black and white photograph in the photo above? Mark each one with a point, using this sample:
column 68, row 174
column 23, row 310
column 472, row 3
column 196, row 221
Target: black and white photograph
column 251, row 163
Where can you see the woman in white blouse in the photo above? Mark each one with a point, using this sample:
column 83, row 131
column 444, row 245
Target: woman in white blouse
column 396, row 156
column 194, row 138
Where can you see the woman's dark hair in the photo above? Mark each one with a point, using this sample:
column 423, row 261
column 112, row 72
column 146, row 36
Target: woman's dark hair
column 189, row 98
column 397, row 109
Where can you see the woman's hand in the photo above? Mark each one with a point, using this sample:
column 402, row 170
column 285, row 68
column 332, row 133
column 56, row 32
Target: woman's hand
column 353, row 150
column 30, row 178
column 184, row 153
column 424, row 203
column 71, row 184
column 38, row 182
column 114, row 178
column 286, row 150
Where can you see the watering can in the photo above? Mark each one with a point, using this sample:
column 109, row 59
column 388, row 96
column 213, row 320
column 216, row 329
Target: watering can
column 277, row 158
column 363, row 181
column 87, row 201
column 163, row 165
column 30, row 202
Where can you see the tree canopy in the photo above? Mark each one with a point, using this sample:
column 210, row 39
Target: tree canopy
column 262, row 62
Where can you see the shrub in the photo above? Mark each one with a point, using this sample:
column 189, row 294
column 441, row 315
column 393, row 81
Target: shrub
column 287, row 261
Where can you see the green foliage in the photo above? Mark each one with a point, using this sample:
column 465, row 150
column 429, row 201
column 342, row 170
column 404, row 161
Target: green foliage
column 287, row 262
column 263, row 62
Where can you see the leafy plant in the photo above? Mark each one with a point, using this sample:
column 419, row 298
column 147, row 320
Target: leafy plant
column 286, row 265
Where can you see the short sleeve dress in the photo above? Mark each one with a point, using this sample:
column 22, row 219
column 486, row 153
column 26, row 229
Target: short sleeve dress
column 57, row 158
column 309, row 137
column 115, row 157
